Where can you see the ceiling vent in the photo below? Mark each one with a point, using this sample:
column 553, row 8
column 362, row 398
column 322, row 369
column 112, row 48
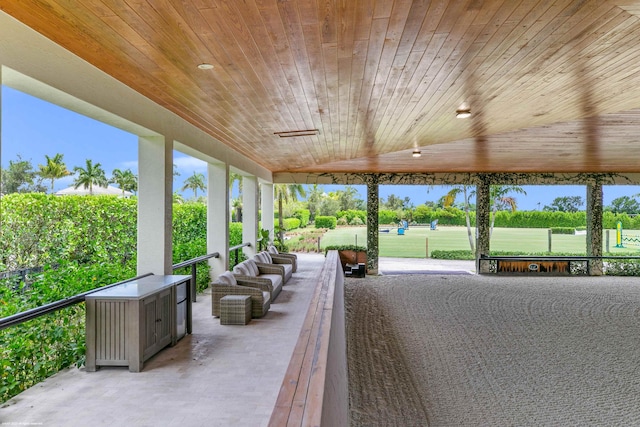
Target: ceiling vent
column 292, row 133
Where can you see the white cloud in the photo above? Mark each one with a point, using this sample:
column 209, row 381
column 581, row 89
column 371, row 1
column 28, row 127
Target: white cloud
column 61, row 183
column 131, row 164
column 189, row 164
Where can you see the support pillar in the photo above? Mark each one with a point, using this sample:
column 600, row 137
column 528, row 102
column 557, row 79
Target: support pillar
column 155, row 211
column 266, row 202
column 250, row 214
column 594, row 228
column 1, row 107
column 483, row 223
column 372, row 227
column 218, row 217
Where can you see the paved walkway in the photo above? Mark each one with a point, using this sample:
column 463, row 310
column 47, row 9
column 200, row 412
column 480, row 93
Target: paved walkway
column 391, row 266
column 218, row 376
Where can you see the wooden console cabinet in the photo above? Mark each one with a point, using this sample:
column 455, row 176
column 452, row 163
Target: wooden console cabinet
column 129, row 323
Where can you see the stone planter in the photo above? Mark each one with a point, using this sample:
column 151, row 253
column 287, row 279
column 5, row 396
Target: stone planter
column 349, row 256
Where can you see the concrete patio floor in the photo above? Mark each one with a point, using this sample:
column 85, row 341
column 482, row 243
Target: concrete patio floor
column 217, row 376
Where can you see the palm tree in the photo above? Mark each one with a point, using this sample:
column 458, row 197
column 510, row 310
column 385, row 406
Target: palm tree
column 195, row 182
column 450, row 198
column 501, row 200
column 233, row 177
column 54, row 169
column 89, row 176
column 126, row 180
column 286, row 192
column 315, row 197
column 237, row 208
column 177, row 198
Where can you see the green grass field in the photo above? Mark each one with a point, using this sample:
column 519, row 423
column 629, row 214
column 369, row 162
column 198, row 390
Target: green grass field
column 413, row 243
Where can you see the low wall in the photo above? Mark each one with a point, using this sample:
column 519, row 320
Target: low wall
column 314, row 391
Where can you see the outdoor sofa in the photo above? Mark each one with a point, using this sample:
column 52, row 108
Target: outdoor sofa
column 270, row 274
column 277, row 255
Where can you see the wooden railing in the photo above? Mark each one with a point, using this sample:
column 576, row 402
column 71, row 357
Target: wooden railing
column 314, row 391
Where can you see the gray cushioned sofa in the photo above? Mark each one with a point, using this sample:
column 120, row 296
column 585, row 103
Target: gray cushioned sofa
column 265, row 259
column 271, row 274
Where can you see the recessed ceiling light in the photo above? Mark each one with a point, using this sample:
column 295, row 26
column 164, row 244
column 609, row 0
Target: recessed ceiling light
column 463, row 114
column 416, row 153
column 205, row 66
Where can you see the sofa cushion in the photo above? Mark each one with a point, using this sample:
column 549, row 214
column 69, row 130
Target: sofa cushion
column 243, row 269
column 273, row 250
column 276, row 279
column 227, row 278
column 263, row 257
column 252, row 267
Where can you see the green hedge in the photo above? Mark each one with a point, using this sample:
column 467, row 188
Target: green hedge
column 387, row 217
column 291, row 223
column 303, row 215
column 326, row 222
column 39, row 229
column 453, row 254
column 563, row 230
column 350, row 214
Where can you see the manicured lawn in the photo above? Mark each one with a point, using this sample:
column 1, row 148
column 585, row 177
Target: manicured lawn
column 413, row 243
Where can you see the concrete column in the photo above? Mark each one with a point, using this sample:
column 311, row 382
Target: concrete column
column 483, row 211
column 372, row 227
column 155, row 198
column 1, row 107
column 594, row 227
column 266, row 195
column 218, row 217
column 250, row 214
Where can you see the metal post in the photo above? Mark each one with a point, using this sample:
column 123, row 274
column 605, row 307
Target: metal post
column 607, row 241
column 191, row 286
column 549, row 240
column 193, row 283
column 426, row 245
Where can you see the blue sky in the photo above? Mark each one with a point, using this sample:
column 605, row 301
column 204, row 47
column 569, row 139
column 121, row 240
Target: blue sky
column 32, row 128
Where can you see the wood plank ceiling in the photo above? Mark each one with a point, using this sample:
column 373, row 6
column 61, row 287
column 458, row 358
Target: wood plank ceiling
column 552, row 85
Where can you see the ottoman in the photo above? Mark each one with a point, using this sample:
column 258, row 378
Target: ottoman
column 235, row 310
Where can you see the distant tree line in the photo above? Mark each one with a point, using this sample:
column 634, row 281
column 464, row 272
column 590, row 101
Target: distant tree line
column 22, row 177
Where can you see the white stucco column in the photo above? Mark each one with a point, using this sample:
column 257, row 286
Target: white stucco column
column 218, row 217
column 250, row 214
column 155, row 186
column 1, row 107
column 266, row 195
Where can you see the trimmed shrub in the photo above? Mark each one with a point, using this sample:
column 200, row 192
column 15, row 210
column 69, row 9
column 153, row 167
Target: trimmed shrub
column 563, row 230
column 387, row 217
column 329, row 222
column 303, row 215
column 291, row 223
column 350, row 214
column 342, row 221
column 356, row 221
column 464, row 254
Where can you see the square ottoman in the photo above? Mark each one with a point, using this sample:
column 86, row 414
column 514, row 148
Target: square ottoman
column 235, row 310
